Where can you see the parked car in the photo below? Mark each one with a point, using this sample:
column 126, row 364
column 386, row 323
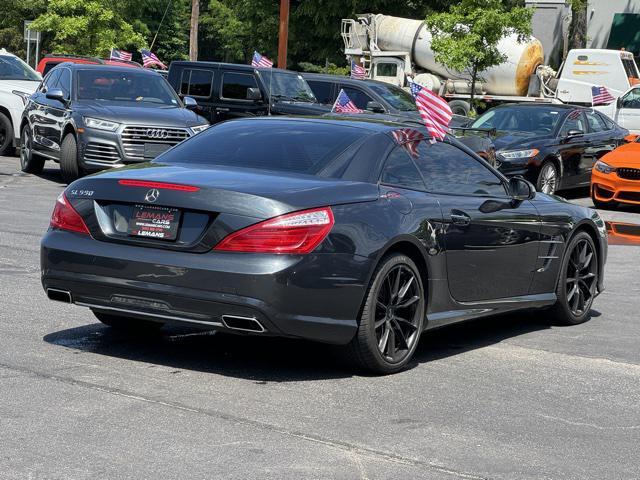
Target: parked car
column 345, row 231
column 625, row 110
column 17, row 81
column 371, row 95
column 51, row 60
column 553, row 146
column 616, row 177
column 225, row 91
column 92, row 117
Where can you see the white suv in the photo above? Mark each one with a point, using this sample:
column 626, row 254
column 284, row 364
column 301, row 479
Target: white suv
column 17, row 81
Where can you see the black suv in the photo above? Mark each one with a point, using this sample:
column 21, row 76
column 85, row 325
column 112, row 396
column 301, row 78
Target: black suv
column 92, row 117
column 225, row 90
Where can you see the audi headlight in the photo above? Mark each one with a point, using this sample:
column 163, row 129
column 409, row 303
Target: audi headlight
column 23, row 95
column 603, row 167
column 199, row 128
column 101, row 124
column 519, row 154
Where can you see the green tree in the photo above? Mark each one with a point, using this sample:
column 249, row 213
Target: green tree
column 466, row 37
column 13, row 14
column 89, row 27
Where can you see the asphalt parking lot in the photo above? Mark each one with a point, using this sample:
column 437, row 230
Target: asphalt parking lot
column 502, row 398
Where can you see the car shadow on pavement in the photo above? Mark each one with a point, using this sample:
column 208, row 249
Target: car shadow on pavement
column 52, row 175
column 279, row 359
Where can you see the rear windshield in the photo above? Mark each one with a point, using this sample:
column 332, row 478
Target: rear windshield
column 286, row 146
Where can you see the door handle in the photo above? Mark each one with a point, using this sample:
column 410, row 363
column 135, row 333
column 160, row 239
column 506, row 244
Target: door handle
column 220, row 109
column 460, row 219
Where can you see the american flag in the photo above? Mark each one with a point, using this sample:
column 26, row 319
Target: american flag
column 409, row 139
column 358, row 71
column 261, row 61
column 434, row 110
column 120, row 55
column 149, row 59
column 601, row 96
column 343, row 104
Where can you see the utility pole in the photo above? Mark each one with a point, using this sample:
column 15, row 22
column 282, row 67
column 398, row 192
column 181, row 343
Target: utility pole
column 193, row 33
column 284, row 34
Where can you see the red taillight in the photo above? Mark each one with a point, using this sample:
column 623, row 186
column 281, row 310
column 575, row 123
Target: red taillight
column 161, row 185
column 65, row 217
column 293, row 233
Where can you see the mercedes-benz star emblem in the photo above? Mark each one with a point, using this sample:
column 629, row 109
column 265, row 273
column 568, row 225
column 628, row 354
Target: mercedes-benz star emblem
column 152, row 195
column 157, row 133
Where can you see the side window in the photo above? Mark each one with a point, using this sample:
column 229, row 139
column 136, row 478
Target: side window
column 632, row 99
column 607, row 121
column 235, row 85
column 323, row 91
column 447, row 169
column 386, row 69
column 358, row 97
column 596, row 123
column 400, row 171
column 64, row 82
column 50, row 81
column 48, row 66
column 574, row 121
column 196, row 83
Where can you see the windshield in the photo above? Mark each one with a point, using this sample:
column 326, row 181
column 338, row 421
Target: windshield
column 289, row 86
column 12, row 68
column 277, row 145
column 396, row 97
column 120, row 86
column 520, row 119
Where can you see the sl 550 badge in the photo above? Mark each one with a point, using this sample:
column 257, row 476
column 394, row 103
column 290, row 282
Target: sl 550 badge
column 81, row 193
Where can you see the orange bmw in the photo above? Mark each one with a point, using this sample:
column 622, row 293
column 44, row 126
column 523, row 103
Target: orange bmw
column 615, row 178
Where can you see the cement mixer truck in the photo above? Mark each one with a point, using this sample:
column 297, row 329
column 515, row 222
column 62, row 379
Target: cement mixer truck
column 392, row 49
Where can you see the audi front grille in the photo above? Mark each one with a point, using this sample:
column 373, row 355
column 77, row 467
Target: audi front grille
column 145, row 143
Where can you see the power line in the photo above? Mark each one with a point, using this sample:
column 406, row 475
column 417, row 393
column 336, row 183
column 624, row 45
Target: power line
column 162, row 20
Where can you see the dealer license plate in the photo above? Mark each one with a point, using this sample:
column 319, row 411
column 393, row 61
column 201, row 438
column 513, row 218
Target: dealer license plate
column 154, row 222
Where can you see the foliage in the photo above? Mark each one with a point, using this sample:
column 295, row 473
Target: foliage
column 330, row 68
column 89, row 27
column 466, row 37
column 12, row 21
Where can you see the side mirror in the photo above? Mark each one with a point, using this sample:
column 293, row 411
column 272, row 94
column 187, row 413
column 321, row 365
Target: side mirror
column 619, row 102
column 254, row 94
column 521, row 189
column 375, row 107
column 56, row 94
column 190, row 103
column 574, row 133
column 631, row 138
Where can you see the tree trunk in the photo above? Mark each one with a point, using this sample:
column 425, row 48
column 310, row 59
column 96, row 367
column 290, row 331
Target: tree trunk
column 193, row 33
column 474, row 79
column 578, row 29
column 283, row 34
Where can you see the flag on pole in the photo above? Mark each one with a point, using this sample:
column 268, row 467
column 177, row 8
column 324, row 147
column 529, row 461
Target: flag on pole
column 601, row 96
column 434, row 110
column 149, row 59
column 120, row 55
column 343, row 104
column 260, row 61
column 358, row 71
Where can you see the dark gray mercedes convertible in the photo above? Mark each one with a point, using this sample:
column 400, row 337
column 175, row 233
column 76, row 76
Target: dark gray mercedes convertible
column 343, row 231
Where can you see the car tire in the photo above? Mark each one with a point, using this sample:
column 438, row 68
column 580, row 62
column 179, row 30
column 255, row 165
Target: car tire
column 127, row 323
column 547, row 178
column 384, row 324
column 6, row 135
column 577, row 282
column 29, row 162
column 69, row 166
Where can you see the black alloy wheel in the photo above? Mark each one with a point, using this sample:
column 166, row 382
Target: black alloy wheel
column 29, row 162
column 577, row 286
column 548, row 179
column 392, row 318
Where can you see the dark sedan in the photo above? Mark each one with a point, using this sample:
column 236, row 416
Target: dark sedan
column 553, row 146
column 349, row 232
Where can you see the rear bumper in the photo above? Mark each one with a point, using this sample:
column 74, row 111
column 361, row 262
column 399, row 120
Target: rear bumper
column 316, row 297
column 610, row 187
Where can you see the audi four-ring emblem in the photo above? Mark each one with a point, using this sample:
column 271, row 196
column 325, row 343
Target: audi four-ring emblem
column 157, row 133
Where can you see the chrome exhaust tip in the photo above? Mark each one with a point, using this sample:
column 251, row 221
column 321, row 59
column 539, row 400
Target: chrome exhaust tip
column 59, row 295
column 244, row 324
